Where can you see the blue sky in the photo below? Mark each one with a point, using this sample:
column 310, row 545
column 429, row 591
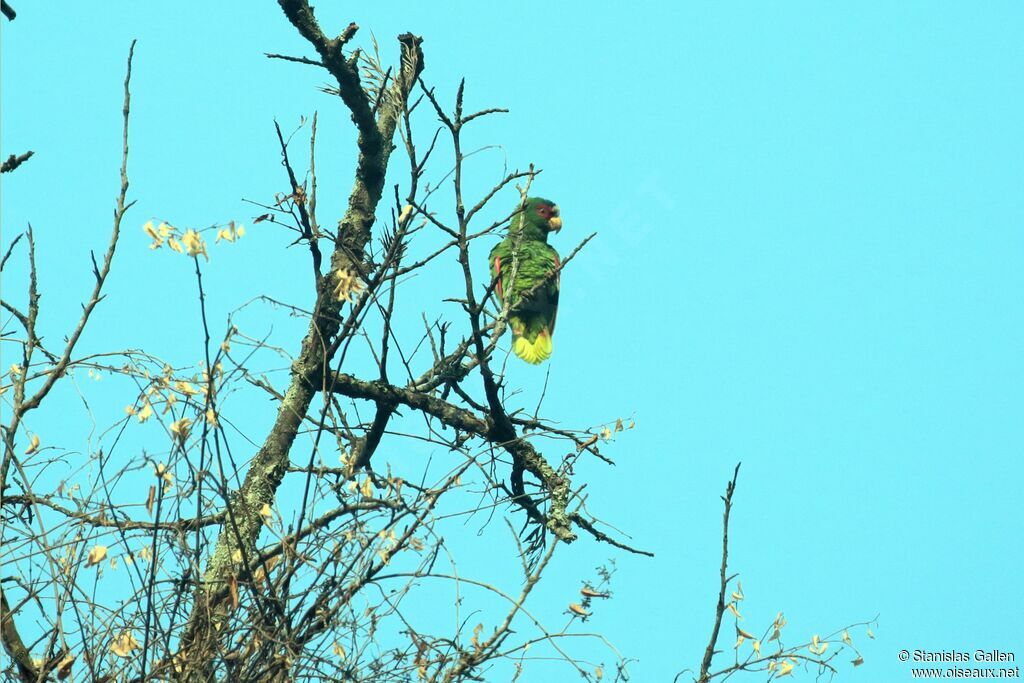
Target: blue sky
column 809, row 224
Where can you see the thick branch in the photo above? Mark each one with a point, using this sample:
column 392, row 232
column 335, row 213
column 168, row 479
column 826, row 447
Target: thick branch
column 309, row 371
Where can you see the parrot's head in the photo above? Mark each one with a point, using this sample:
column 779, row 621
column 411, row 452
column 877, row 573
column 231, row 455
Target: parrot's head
column 540, row 214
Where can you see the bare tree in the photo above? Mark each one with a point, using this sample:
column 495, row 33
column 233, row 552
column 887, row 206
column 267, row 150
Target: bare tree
column 228, row 577
column 310, row 551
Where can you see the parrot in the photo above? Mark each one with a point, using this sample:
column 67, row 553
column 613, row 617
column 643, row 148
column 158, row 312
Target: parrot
column 532, row 295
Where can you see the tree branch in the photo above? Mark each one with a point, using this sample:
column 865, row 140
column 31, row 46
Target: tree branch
column 14, row 161
column 709, row 652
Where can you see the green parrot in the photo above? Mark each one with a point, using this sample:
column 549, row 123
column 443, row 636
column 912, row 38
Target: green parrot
column 533, row 294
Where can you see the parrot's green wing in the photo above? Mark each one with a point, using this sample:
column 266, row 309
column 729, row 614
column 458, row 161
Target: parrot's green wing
column 532, row 295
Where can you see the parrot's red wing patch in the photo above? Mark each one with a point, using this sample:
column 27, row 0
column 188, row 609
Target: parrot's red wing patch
column 497, row 269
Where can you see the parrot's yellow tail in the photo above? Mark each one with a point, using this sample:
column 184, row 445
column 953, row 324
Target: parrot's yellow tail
column 534, row 352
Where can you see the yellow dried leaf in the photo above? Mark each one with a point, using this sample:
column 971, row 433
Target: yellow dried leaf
column 347, row 285
column 606, row 433
column 33, row 444
column 846, row 638
column 367, row 488
column 240, row 231
column 406, row 212
column 150, row 500
column 744, row 633
column 338, row 650
column 96, row 555
column 784, row 670
column 265, row 512
column 173, row 244
column 870, row 634
column 735, row 612
column 757, row 646
column 475, row 640
column 181, row 428
column 233, row 591
column 739, row 641
column 193, row 243
column 738, row 593
column 145, row 413
column 124, row 644
column 576, row 608
column 211, row 417
column 150, row 230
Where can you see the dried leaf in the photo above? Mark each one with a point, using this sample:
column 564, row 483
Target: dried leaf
column 150, row 500
column 784, row 670
column 576, row 608
column 33, row 444
column 124, row 644
column 96, row 555
column 858, row 661
column 339, row 650
column 589, row 592
column 233, row 590
column 181, row 428
column 194, row 244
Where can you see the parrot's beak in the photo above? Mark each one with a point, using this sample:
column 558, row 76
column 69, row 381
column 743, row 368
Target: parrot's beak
column 555, row 223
